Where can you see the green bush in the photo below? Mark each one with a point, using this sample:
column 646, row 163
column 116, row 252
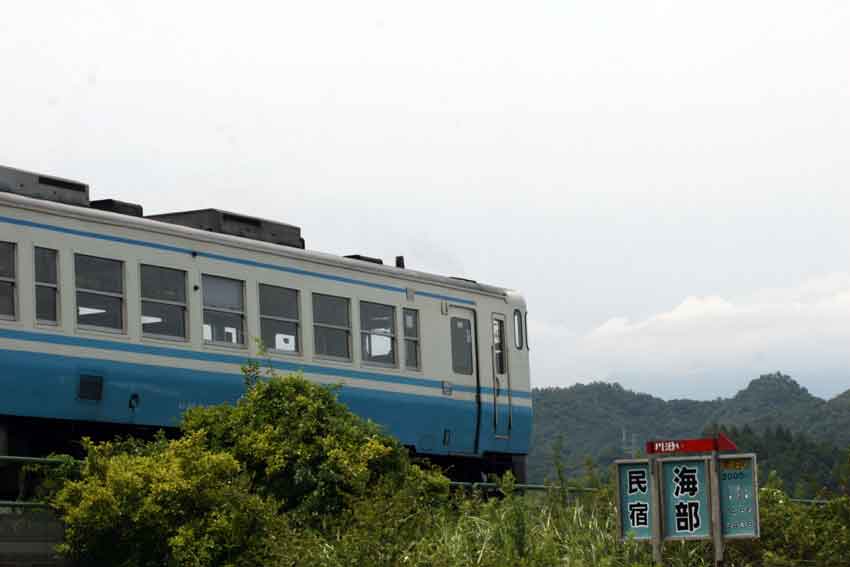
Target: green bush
column 281, row 476
column 183, row 504
column 299, row 445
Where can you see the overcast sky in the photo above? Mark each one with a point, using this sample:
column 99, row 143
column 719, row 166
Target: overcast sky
column 667, row 182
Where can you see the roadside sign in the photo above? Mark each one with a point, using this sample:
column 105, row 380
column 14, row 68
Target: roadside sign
column 695, row 498
column 738, row 496
column 634, row 502
column 702, row 445
column 685, row 499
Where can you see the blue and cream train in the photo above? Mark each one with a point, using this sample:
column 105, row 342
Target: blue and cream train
column 116, row 320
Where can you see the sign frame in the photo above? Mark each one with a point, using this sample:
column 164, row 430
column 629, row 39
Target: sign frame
column 756, row 511
column 744, row 520
column 662, row 499
column 620, row 527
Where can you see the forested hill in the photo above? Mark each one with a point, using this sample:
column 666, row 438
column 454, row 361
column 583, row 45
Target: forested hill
column 591, row 420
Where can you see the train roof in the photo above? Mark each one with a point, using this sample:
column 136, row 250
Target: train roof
column 156, row 224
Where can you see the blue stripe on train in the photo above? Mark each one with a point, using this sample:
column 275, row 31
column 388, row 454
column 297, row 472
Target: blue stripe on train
column 45, row 385
column 286, row 366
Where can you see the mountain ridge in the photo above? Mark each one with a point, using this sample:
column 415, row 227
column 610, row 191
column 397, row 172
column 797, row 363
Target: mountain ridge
column 605, row 421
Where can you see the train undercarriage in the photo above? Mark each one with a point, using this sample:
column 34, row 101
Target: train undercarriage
column 38, row 437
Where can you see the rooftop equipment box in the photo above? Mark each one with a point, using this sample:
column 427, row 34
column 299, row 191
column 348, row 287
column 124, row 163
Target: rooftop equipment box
column 224, row 222
column 43, row 187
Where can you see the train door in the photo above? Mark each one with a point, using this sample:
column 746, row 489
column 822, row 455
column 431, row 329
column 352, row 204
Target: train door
column 501, row 379
column 464, row 361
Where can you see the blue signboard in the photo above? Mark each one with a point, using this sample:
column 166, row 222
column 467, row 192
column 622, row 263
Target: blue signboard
column 634, row 500
column 687, row 489
column 686, row 506
column 738, row 496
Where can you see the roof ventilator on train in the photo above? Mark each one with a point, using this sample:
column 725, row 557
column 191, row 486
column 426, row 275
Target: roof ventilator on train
column 43, row 187
column 223, row 222
column 363, row 258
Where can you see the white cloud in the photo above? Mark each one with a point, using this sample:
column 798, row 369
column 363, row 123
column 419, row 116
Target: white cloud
column 711, row 346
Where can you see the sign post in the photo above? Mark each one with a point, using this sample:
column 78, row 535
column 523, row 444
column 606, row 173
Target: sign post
column 707, row 496
column 716, row 519
column 657, row 540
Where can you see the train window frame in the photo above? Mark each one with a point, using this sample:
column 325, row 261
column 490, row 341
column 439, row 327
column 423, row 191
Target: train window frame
column 417, row 340
column 365, row 357
column 121, row 296
column 299, row 347
column 500, row 349
column 12, row 281
column 217, row 309
column 527, row 343
column 185, row 337
column 44, row 284
column 519, row 335
column 467, row 325
column 318, row 326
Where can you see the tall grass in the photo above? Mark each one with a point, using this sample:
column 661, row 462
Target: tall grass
column 535, row 530
column 556, row 528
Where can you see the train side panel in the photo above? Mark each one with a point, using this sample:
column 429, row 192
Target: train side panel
column 150, row 381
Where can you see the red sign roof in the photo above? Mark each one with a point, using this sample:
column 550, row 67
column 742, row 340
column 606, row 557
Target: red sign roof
column 703, row 445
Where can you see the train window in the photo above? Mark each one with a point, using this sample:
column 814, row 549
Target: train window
column 279, row 318
column 332, row 326
column 461, row 345
column 224, row 310
column 100, row 292
column 527, row 344
column 7, row 280
column 377, row 333
column 46, row 285
column 499, row 345
column 412, row 352
column 163, row 302
column 518, row 329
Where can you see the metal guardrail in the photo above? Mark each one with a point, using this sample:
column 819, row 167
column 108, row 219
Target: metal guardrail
column 31, row 460
column 530, row 487
column 472, row 485
column 543, row 487
column 24, row 505
column 812, row 501
column 15, row 460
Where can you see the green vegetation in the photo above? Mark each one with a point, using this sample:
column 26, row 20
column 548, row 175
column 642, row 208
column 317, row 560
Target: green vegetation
column 269, row 481
column 807, row 468
column 289, row 477
column 802, row 436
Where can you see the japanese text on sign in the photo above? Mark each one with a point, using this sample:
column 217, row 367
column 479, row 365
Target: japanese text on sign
column 665, row 446
column 686, row 490
column 685, row 495
column 738, row 498
column 634, row 498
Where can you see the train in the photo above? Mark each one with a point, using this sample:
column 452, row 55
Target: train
column 113, row 322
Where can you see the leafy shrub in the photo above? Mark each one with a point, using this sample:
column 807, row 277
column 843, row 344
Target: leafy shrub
column 261, row 482
column 183, row 504
column 298, row 444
